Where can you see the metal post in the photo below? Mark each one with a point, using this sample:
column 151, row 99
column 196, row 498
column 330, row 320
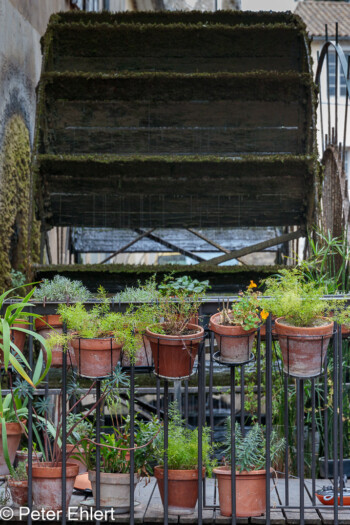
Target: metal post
column 233, row 445
column 201, row 385
column 300, row 386
column 313, row 445
column 340, row 417
column 132, row 440
column 166, row 423
column 64, row 427
column 335, row 422
column 98, row 440
column 268, row 410
column 30, row 430
column 258, row 365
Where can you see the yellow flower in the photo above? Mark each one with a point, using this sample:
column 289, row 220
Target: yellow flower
column 252, row 285
column 264, row 315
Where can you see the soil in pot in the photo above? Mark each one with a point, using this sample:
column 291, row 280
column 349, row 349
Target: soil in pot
column 72, row 449
column 234, row 343
column 143, row 355
column 57, row 356
column 114, row 489
column 182, row 489
column 96, row 357
column 19, row 492
column 174, row 356
column 303, row 348
column 14, row 432
column 47, row 485
column 250, row 492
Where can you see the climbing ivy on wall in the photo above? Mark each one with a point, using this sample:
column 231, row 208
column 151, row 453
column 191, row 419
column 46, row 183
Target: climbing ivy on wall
column 19, row 238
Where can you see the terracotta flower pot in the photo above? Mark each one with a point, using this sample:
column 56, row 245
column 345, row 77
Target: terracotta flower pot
column 96, row 357
column 143, row 354
column 303, row 349
column 22, row 456
column 114, row 489
column 174, row 355
column 55, row 322
column 47, row 484
column 14, row 432
column 234, row 343
column 250, row 492
column 72, row 449
column 182, row 489
column 19, row 492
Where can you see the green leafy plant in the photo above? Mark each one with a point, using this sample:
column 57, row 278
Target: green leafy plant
column 245, row 311
column 61, row 289
column 77, row 427
column 20, row 472
column 98, row 322
column 299, row 302
column 183, row 445
column 328, row 262
column 250, row 453
column 141, row 293
column 184, row 285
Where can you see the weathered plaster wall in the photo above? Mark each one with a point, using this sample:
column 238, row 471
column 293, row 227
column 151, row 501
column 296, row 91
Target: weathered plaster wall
column 22, row 24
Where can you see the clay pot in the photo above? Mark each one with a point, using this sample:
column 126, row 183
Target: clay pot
column 114, row 489
column 55, row 322
column 96, row 357
column 250, row 492
column 19, row 492
column 14, row 432
column 47, row 484
column 182, row 489
column 22, row 456
column 19, row 339
column 143, row 355
column 174, row 355
column 303, row 348
column 72, row 449
column 234, row 343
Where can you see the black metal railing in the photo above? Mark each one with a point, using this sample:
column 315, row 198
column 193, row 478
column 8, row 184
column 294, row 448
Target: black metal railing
column 317, row 400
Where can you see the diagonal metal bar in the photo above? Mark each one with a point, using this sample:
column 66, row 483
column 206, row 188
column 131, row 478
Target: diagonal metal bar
column 255, row 247
column 123, row 248
column 170, row 245
column 209, row 241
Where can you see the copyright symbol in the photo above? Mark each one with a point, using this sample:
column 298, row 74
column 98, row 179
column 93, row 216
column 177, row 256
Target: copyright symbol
column 6, row 513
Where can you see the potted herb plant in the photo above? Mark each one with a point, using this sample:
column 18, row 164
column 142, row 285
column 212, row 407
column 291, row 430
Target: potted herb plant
column 59, row 289
column 250, row 455
column 18, row 485
column 173, row 338
column 235, row 328
column 182, row 455
column 96, row 335
column 301, row 326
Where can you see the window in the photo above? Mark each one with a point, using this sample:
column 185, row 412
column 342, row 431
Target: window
column 341, row 77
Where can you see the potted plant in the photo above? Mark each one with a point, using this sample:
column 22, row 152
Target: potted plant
column 235, row 328
column 96, row 335
column 173, row 338
column 250, row 455
column 301, row 326
column 59, row 289
column 22, row 455
column 184, row 286
column 13, row 411
column 182, row 456
column 81, row 427
column 18, row 485
column 47, row 475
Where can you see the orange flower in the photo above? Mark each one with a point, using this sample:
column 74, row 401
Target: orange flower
column 252, row 285
column 264, row 315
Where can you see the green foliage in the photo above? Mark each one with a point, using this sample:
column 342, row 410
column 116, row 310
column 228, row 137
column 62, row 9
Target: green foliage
column 251, row 448
column 245, row 312
column 77, row 427
column 299, row 302
column 185, row 285
column 143, row 292
column 183, row 445
column 328, row 263
column 20, row 472
column 61, row 289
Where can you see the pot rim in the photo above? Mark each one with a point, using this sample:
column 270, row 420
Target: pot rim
column 178, row 473
column 225, row 470
column 46, row 470
column 115, row 475
column 164, row 337
column 55, row 323
column 303, row 329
